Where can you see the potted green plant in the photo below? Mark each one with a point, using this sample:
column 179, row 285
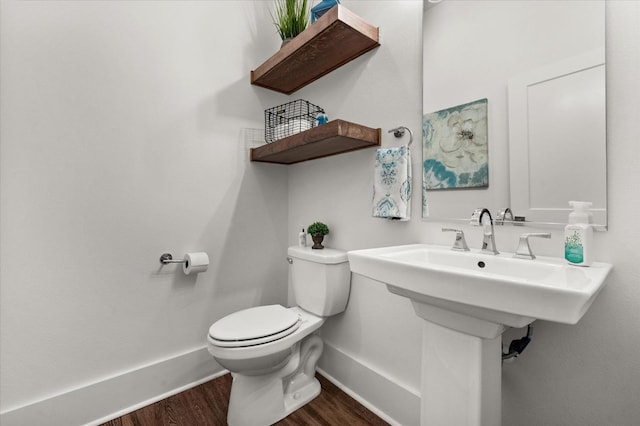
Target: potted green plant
column 291, row 18
column 317, row 230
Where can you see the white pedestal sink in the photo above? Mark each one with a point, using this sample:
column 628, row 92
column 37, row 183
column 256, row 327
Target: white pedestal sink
column 467, row 300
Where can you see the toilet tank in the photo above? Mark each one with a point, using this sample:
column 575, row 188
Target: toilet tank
column 321, row 279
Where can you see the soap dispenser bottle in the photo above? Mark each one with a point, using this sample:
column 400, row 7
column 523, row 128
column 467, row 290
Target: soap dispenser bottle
column 578, row 234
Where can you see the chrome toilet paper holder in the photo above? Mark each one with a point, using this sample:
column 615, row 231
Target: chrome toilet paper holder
column 192, row 263
column 166, row 258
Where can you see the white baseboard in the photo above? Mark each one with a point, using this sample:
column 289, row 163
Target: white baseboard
column 113, row 397
column 110, row 398
column 396, row 404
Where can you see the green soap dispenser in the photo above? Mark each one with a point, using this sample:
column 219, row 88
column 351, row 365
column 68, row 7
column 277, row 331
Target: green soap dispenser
column 578, row 234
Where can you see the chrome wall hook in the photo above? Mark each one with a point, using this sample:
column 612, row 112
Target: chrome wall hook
column 399, row 131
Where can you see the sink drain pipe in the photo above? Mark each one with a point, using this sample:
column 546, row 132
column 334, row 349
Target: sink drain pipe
column 517, row 346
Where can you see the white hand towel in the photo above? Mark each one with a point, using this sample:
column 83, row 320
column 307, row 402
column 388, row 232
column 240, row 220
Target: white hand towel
column 392, row 184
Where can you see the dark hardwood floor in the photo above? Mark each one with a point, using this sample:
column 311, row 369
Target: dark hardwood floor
column 206, row 405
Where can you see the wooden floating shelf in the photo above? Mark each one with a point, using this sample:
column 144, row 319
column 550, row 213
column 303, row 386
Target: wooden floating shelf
column 335, row 137
column 338, row 37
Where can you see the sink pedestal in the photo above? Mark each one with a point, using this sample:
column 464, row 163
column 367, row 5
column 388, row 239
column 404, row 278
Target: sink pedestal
column 461, row 378
column 461, row 381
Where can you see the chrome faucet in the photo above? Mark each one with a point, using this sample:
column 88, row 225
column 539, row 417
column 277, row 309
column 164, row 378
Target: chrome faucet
column 488, row 241
column 504, row 214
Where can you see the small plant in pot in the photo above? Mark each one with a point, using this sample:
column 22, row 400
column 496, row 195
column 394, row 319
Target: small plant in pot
column 291, row 17
column 317, row 230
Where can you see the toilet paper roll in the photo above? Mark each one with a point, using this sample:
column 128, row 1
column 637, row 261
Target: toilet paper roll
column 195, row 262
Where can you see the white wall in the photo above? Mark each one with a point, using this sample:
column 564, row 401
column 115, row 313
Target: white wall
column 122, row 138
column 570, row 375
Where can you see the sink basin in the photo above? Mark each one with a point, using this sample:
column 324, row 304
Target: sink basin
column 467, row 300
column 500, row 289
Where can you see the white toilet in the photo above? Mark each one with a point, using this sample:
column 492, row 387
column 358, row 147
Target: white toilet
column 271, row 351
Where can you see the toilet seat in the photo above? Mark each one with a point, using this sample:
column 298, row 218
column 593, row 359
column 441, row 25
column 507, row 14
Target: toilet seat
column 254, row 326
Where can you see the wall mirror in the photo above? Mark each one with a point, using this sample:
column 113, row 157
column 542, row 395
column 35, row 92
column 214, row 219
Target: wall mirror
column 540, row 67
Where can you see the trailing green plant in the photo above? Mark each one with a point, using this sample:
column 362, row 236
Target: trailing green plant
column 291, row 17
column 317, row 228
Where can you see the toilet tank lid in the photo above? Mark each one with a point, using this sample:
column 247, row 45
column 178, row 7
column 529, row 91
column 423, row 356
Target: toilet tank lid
column 325, row 255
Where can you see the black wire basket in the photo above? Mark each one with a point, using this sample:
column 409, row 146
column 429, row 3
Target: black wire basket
column 290, row 118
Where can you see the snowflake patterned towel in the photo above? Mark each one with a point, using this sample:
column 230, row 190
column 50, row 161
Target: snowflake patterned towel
column 392, row 184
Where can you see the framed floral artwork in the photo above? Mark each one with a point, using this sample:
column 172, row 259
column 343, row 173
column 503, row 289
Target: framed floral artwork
column 455, row 149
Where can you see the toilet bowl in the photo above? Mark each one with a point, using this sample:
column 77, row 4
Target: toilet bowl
column 261, row 358
column 272, row 351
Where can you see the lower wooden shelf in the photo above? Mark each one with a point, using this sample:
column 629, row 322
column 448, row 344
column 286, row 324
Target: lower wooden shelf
column 335, row 137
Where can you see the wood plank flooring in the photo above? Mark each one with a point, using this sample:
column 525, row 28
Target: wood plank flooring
column 206, row 405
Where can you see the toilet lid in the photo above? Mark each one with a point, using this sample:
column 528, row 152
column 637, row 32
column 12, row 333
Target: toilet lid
column 254, row 326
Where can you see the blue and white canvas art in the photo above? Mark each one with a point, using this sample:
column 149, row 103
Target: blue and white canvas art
column 454, row 148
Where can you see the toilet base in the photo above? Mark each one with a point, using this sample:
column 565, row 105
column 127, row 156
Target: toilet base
column 302, row 396
column 264, row 400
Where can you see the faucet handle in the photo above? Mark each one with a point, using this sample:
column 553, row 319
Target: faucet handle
column 460, row 244
column 524, row 249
